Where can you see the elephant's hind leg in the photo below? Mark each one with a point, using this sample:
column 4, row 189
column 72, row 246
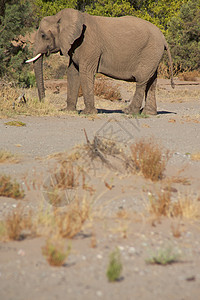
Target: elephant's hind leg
column 73, row 85
column 136, row 101
column 150, row 107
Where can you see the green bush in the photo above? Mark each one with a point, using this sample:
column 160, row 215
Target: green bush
column 13, row 47
column 183, row 36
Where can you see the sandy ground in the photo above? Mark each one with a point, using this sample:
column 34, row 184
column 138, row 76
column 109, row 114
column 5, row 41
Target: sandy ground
column 24, row 272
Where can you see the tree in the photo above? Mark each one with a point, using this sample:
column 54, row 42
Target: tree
column 184, row 37
column 13, row 48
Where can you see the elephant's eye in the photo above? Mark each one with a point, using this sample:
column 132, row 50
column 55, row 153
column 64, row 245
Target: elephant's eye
column 43, row 35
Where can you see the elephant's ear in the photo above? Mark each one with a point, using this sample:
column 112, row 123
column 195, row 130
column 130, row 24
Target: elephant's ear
column 70, row 25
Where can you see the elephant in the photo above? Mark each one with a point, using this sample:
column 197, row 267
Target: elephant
column 124, row 48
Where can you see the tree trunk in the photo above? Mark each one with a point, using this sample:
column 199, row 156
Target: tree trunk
column 38, row 69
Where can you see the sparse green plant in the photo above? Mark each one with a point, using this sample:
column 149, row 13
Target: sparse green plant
column 10, row 188
column 114, row 268
column 54, row 251
column 140, row 116
column 149, row 159
column 164, row 256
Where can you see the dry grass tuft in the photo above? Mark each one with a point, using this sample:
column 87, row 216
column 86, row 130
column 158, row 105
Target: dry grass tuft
column 149, row 159
column 69, row 224
column 10, row 188
column 7, row 157
column 18, row 224
column 195, row 156
column 66, row 178
column 32, row 106
column 183, row 207
column 189, row 75
column 105, row 90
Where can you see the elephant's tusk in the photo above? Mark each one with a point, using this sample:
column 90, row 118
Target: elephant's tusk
column 33, row 59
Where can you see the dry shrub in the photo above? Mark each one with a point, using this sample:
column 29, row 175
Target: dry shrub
column 71, row 222
column 160, row 206
column 18, row 224
column 54, row 251
column 183, row 207
column 189, row 75
column 7, row 157
column 68, row 177
column 195, row 156
column 149, row 158
column 106, row 91
column 10, row 188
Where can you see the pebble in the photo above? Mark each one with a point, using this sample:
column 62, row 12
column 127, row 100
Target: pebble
column 131, row 250
column 99, row 293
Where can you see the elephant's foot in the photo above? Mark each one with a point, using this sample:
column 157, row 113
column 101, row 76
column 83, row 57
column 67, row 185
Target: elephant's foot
column 89, row 111
column 68, row 108
column 149, row 111
column 132, row 110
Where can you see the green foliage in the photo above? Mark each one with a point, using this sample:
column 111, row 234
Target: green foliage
column 110, row 8
column 114, row 267
column 159, row 12
column 13, row 47
column 49, row 7
column 183, row 36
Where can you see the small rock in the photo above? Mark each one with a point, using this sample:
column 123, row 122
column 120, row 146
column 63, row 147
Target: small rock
column 99, row 293
column 21, row 252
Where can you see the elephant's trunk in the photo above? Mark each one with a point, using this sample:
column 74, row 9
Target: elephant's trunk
column 38, row 69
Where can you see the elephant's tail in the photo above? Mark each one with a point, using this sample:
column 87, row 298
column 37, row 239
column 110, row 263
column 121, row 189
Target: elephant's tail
column 170, row 64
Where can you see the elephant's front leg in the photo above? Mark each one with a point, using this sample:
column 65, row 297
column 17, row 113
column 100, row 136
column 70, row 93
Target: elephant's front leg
column 136, row 101
column 73, row 85
column 150, row 96
column 87, row 84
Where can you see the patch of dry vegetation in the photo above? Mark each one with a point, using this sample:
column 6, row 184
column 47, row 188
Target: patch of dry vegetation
column 9, row 188
column 195, row 156
column 149, row 159
column 105, row 90
column 18, row 224
column 7, row 157
column 189, row 75
column 162, row 204
column 10, row 106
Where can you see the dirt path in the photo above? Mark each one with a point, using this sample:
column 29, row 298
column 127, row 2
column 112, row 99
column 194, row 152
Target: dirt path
column 24, row 272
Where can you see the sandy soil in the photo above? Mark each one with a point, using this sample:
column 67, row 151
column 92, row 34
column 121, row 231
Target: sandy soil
column 24, row 272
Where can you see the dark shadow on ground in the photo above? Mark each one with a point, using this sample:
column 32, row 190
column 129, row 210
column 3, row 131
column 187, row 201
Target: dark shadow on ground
column 165, row 112
column 109, row 111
